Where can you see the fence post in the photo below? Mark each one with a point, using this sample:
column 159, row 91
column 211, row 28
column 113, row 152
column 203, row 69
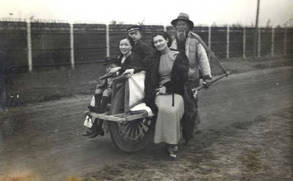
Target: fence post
column 210, row 37
column 244, row 43
column 259, row 42
column 72, row 46
column 228, row 42
column 107, row 41
column 273, row 42
column 29, row 45
column 285, row 40
column 165, row 28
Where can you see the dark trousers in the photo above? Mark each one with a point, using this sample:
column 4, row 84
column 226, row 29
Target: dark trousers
column 190, row 118
column 118, row 98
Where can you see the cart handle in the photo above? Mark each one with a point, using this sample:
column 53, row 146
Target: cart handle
column 206, row 84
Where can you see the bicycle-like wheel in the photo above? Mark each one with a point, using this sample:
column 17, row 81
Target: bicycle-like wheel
column 132, row 136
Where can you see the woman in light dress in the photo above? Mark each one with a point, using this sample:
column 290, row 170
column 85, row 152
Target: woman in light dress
column 164, row 88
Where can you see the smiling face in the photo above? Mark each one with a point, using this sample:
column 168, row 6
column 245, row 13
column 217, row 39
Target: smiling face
column 125, row 46
column 160, row 43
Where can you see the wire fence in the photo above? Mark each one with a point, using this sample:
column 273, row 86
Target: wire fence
column 41, row 44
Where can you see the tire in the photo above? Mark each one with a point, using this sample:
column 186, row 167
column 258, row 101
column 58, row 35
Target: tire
column 132, row 136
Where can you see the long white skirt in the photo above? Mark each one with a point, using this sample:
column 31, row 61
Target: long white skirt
column 167, row 128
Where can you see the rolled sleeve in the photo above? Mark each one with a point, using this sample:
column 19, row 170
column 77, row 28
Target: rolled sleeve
column 204, row 61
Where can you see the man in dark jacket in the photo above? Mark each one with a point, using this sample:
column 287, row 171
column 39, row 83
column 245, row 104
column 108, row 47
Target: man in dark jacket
column 140, row 47
column 5, row 68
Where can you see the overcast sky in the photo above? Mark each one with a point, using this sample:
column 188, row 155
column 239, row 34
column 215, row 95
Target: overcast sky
column 204, row 12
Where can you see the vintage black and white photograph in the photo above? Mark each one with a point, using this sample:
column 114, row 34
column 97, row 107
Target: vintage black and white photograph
column 190, row 90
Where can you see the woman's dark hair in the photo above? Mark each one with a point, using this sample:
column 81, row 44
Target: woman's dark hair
column 165, row 35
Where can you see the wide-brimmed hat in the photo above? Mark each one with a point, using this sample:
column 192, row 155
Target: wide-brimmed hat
column 134, row 28
column 109, row 60
column 183, row 17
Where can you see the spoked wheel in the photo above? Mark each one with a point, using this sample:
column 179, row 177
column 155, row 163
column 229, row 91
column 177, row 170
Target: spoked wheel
column 132, row 136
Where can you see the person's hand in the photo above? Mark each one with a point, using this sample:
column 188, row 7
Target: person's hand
column 206, row 77
column 205, row 85
column 161, row 90
column 115, row 69
column 128, row 72
column 194, row 93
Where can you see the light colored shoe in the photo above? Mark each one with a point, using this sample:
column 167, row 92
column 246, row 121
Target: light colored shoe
column 171, row 150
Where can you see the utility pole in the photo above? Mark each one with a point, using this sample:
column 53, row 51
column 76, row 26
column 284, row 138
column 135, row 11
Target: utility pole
column 256, row 30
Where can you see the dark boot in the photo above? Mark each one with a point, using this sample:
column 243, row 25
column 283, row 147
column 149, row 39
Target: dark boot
column 100, row 130
column 88, row 133
column 97, row 128
column 94, row 129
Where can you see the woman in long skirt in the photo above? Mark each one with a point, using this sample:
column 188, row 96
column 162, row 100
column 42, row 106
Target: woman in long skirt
column 164, row 89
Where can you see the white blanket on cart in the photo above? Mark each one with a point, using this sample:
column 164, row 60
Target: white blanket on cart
column 136, row 93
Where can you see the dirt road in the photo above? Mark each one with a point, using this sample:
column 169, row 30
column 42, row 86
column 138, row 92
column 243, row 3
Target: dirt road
column 45, row 139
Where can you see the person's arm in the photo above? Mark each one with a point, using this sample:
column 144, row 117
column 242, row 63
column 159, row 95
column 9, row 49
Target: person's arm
column 151, row 83
column 203, row 62
column 134, row 64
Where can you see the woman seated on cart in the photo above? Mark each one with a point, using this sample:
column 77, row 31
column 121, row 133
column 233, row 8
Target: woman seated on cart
column 126, row 65
column 164, row 89
column 131, row 66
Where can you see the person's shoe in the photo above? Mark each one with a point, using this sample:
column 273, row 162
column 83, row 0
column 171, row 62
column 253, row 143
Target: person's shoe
column 87, row 133
column 171, row 150
column 96, row 133
column 93, row 135
column 172, row 156
column 101, row 132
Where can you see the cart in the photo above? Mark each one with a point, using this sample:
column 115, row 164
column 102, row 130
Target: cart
column 133, row 131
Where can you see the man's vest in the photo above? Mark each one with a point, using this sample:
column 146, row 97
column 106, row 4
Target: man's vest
column 197, row 56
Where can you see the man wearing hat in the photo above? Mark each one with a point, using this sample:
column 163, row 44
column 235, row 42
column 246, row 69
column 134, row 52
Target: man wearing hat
column 188, row 42
column 140, row 47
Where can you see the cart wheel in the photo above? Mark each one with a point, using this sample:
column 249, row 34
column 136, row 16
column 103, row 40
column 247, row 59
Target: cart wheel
column 133, row 135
